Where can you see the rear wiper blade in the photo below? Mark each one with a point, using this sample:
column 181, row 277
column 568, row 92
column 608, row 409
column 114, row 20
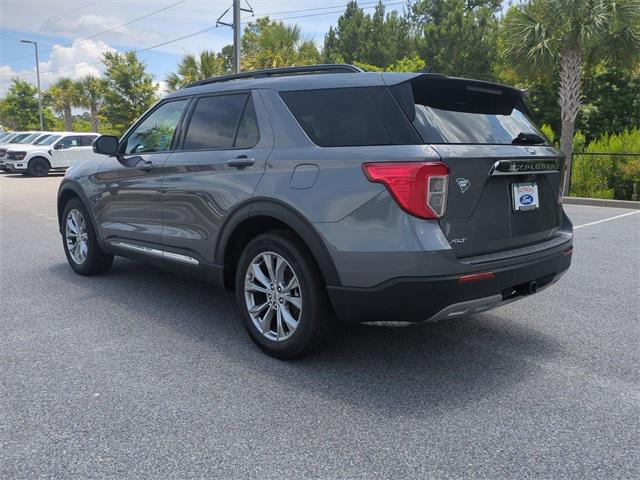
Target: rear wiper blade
column 528, row 139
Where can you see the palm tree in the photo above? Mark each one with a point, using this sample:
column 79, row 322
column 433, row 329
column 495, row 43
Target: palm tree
column 62, row 96
column 271, row 44
column 191, row 68
column 91, row 95
column 545, row 35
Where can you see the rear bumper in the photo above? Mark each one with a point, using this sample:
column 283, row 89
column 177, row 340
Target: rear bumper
column 418, row 299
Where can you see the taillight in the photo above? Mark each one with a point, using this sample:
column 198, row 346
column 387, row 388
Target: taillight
column 420, row 188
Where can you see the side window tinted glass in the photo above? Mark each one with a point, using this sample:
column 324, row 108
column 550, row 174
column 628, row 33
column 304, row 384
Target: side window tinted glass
column 86, row 140
column 155, row 133
column 337, row 117
column 214, row 122
column 68, row 142
column 248, row 131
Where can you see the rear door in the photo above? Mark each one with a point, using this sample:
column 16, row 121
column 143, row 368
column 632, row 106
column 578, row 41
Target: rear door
column 504, row 179
column 224, row 147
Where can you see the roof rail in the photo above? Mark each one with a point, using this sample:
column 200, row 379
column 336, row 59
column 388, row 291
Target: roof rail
column 281, row 72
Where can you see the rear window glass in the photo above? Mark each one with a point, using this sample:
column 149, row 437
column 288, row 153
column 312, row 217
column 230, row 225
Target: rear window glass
column 214, row 122
column 337, row 117
column 453, row 112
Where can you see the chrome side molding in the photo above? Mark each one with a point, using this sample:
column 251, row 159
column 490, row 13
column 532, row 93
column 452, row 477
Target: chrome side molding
column 520, row 167
column 154, row 252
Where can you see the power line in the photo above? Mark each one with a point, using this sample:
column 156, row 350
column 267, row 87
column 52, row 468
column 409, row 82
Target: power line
column 208, row 29
column 155, row 12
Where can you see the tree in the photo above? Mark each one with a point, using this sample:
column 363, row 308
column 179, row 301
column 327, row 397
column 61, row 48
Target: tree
column 272, row 44
column 130, row 90
column 565, row 34
column 379, row 39
column 19, row 108
column 62, row 96
column 458, row 37
column 191, row 68
column 91, row 95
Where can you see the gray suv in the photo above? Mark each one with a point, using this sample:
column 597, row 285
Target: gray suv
column 324, row 192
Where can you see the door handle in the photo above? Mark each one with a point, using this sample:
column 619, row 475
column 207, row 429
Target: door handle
column 241, row 161
column 147, row 165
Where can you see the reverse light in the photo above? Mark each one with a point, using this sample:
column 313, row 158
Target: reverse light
column 419, row 188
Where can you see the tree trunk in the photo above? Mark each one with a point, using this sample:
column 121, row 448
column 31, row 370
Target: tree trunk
column 94, row 118
column 68, row 119
column 569, row 100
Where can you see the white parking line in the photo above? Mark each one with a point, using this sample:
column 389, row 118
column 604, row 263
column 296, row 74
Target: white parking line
column 605, row 220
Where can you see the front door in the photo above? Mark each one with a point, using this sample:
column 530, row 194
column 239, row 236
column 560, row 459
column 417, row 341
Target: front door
column 222, row 156
column 129, row 207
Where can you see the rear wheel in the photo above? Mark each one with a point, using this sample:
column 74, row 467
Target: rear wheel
column 38, row 167
column 282, row 296
column 79, row 241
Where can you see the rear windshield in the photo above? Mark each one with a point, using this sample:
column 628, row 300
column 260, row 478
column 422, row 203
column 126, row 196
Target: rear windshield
column 338, row 117
column 457, row 112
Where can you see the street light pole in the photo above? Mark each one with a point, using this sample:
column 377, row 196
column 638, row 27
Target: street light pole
column 35, row 44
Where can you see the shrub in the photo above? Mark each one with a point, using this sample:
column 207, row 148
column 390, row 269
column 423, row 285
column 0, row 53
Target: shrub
column 608, row 176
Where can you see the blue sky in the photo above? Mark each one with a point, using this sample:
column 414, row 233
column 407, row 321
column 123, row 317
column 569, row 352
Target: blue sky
column 72, row 34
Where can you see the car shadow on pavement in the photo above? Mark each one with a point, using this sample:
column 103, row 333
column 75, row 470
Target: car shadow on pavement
column 394, row 371
column 21, row 176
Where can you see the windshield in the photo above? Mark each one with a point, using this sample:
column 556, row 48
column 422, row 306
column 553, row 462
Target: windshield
column 452, row 111
column 29, row 138
column 41, row 139
column 16, row 138
column 48, row 140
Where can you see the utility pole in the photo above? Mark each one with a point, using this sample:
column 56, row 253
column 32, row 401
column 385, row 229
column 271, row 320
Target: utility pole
column 237, row 28
column 35, row 44
column 236, row 34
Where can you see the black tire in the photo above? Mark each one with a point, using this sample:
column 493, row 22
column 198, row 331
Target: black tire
column 96, row 261
column 316, row 316
column 38, row 167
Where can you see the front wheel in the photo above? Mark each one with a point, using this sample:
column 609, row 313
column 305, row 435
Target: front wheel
column 79, row 241
column 282, row 296
column 38, row 167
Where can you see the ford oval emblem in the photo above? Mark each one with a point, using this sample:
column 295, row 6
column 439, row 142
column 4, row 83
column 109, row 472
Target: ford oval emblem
column 526, row 199
column 531, row 150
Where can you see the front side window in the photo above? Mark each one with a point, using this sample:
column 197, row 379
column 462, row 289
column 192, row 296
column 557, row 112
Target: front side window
column 155, row 133
column 68, row 142
column 338, row 117
column 216, row 123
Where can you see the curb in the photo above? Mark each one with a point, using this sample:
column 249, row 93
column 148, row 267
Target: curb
column 601, row 202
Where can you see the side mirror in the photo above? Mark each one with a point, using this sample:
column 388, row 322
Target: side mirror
column 58, row 146
column 106, row 145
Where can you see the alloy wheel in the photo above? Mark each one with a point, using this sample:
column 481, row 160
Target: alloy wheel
column 273, row 296
column 76, row 236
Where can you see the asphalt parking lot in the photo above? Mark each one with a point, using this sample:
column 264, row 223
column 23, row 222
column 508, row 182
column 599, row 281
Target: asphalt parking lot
column 141, row 374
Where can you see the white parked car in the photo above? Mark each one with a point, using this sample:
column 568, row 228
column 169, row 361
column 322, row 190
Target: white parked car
column 18, row 138
column 58, row 151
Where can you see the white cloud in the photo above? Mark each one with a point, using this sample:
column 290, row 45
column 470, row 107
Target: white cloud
column 80, row 59
column 87, row 25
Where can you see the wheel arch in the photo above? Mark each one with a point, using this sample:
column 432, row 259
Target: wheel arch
column 36, row 156
column 259, row 216
column 69, row 190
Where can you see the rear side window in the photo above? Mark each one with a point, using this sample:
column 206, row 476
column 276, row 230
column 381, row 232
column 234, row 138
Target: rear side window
column 337, row 117
column 86, row 140
column 222, row 121
column 457, row 112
